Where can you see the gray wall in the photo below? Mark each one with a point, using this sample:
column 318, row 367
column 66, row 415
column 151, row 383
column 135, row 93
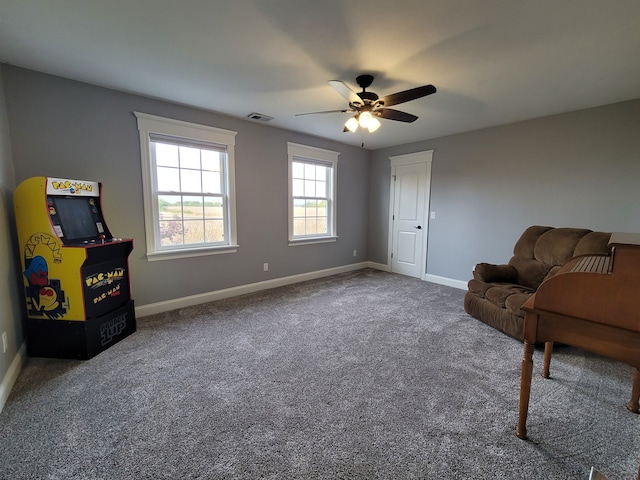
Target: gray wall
column 10, row 303
column 580, row 169
column 65, row 128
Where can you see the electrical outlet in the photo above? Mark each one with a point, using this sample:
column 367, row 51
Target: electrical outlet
column 4, row 342
column 355, row 253
column 265, row 267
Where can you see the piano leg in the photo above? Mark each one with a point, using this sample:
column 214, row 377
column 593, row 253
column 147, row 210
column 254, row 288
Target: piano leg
column 548, row 350
column 635, row 393
column 525, row 390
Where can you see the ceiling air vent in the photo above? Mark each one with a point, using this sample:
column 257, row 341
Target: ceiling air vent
column 260, row 117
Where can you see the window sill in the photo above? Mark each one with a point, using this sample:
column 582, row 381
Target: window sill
column 308, row 241
column 196, row 252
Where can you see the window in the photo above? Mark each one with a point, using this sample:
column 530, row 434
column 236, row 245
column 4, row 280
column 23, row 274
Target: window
column 312, row 194
column 188, row 184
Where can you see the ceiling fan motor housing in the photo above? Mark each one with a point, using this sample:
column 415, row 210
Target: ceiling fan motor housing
column 372, row 97
column 364, row 81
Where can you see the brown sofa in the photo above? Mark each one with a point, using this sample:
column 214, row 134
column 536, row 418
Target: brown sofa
column 496, row 292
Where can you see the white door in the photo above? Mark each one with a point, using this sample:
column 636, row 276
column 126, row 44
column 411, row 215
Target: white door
column 410, row 190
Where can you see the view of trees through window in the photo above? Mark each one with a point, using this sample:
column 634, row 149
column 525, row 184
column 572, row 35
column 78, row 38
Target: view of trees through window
column 309, row 217
column 309, row 185
column 191, row 206
column 190, row 221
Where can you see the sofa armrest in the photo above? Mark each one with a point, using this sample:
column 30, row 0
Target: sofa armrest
column 488, row 272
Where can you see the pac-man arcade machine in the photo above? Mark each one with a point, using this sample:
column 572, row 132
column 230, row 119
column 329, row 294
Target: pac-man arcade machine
column 76, row 274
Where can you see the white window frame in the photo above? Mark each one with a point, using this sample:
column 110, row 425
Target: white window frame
column 151, row 124
column 319, row 156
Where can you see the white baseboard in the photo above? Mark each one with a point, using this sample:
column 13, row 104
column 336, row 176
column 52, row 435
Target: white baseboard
column 165, row 306
column 191, row 300
column 379, row 266
column 449, row 282
column 12, row 374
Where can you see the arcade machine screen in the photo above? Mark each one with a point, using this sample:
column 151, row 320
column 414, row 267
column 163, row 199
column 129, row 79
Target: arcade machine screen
column 77, row 219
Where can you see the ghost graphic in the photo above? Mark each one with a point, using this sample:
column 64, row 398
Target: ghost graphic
column 45, row 299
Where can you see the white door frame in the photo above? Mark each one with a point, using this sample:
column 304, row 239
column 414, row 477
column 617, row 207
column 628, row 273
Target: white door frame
column 409, row 159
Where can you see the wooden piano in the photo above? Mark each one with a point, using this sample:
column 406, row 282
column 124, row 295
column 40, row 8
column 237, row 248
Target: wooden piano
column 591, row 303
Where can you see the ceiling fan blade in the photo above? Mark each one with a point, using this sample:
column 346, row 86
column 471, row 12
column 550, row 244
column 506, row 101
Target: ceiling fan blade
column 325, row 111
column 407, row 95
column 344, row 90
column 391, row 114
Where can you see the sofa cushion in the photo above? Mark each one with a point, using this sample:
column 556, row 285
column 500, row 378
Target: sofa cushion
column 556, row 246
column 478, row 287
column 531, row 272
column 498, row 294
column 514, row 303
column 526, row 243
column 593, row 243
column 553, row 271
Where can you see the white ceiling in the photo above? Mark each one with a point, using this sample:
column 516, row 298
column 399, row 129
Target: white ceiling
column 493, row 61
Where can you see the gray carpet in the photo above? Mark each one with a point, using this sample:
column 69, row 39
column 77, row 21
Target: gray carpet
column 360, row 375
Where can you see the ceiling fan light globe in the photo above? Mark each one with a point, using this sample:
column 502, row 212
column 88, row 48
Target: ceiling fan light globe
column 352, row 124
column 365, row 119
column 374, row 125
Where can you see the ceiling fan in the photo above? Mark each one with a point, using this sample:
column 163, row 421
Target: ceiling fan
column 368, row 105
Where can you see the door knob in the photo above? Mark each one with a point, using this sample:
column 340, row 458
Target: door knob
column 419, row 227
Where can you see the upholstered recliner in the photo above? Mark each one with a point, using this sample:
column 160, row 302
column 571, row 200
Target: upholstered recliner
column 497, row 292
